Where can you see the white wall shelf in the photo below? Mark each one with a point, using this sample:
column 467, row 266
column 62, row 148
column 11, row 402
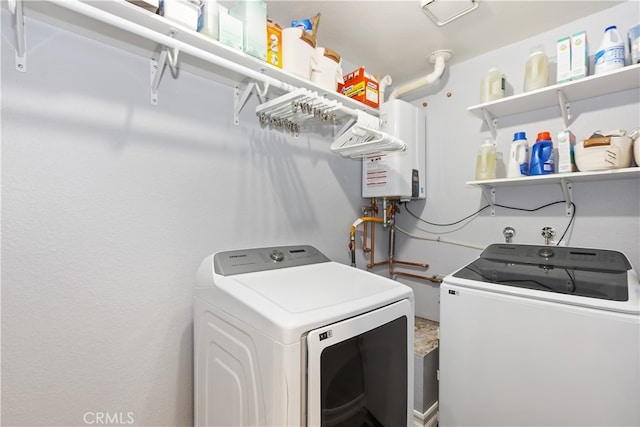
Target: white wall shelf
column 200, row 58
column 566, row 181
column 561, row 94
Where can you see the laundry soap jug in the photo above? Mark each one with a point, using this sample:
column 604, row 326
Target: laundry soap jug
column 610, row 55
column 536, row 73
column 492, row 86
column 486, row 161
column 542, row 157
column 209, row 19
column 519, row 156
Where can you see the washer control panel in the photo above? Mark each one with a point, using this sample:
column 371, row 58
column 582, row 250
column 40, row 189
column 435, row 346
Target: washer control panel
column 260, row 259
column 559, row 257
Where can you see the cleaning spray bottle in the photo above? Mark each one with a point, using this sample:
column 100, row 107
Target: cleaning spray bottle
column 519, row 156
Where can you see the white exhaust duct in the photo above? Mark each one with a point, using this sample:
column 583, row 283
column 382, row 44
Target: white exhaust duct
column 439, row 57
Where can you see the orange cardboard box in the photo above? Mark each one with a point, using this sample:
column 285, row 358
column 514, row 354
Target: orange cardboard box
column 274, row 44
column 361, row 88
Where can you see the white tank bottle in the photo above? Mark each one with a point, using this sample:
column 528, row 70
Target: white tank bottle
column 610, row 55
column 536, row 73
column 486, row 161
column 492, row 86
column 209, row 18
column 519, row 156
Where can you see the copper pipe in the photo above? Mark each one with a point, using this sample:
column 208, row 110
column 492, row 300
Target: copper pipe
column 392, row 262
column 416, row 276
column 372, row 260
column 368, row 211
column 365, row 227
column 414, row 264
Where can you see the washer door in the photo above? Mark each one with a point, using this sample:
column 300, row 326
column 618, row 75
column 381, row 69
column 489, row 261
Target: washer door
column 360, row 370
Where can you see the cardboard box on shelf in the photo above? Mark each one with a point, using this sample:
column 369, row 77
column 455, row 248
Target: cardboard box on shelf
column 361, row 87
column 579, row 56
column 274, row 44
column 563, row 50
column 566, row 160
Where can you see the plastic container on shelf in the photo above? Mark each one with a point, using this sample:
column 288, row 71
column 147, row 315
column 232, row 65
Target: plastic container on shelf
column 610, row 55
column 542, row 155
column 536, row 73
column 519, row 156
column 492, row 86
column 253, row 13
column 634, row 44
column 486, row 161
column 209, row 19
column 181, row 12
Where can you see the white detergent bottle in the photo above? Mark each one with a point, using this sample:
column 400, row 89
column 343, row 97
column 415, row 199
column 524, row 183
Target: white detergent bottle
column 610, row 55
column 519, row 156
column 209, row 19
column 486, row 161
column 536, row 74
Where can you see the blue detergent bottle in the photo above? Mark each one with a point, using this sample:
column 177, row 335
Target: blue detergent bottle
column 542, row 158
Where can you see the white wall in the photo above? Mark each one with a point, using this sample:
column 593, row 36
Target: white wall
column 607, row 212
column 109, row 205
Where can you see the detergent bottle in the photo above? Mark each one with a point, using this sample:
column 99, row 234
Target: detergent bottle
column 542, row 158
column 519, row 156
column 537, row 70
column 611, row 53
column 486, row 161
column 492, row 85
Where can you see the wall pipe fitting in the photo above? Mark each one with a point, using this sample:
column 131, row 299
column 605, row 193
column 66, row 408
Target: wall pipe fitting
column 438, row 58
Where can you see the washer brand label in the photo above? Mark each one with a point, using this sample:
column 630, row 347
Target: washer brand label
column 452, row 292
column 325, row 335
column 238, row 256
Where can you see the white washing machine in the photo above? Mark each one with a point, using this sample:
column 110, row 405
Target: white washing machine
column 540, row 335
column 285, row 337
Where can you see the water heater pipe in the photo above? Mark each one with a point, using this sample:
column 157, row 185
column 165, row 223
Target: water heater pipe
column 439, row 57
column 383, row 83
column 352, row 235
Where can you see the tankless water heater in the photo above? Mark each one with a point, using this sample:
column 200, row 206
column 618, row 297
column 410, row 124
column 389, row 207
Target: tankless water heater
column 398, row 174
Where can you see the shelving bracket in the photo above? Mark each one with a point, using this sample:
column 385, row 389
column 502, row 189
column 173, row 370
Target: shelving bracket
column 16, row 8
column 165, row 55
column 240, row 99
column 489, row 194
column 567, row 191
column 492, row 123
column 565, row 108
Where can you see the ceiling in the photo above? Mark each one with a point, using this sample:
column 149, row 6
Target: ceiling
column 395, row 37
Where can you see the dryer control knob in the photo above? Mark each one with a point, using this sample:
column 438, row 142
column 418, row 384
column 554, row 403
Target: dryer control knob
column 277, row 255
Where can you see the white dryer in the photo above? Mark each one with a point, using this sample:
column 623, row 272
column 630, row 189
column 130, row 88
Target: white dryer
column 285, row 337
column 540, row 336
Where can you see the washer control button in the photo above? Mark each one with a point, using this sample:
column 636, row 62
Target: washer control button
column 277, row 255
